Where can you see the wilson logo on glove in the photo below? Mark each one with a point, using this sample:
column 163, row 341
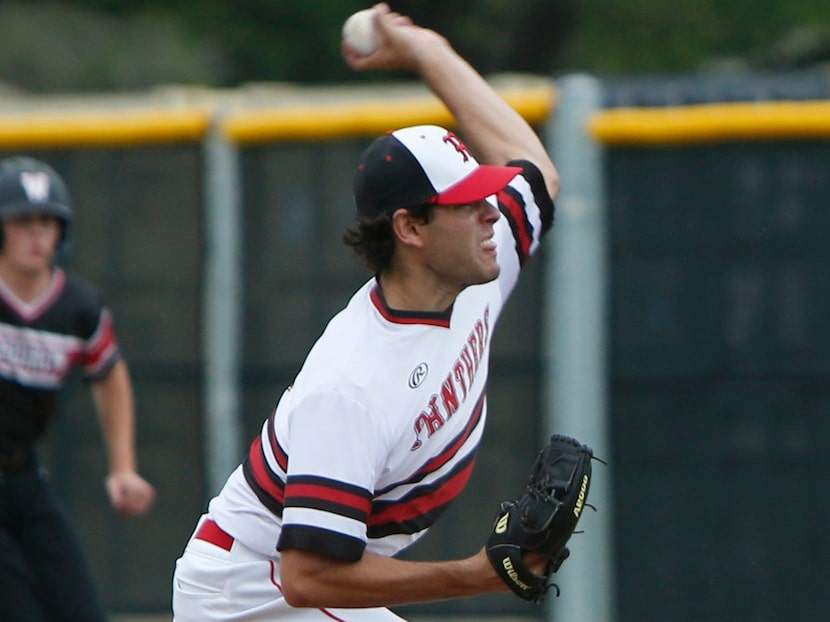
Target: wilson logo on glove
column 583, row 492
column 543, row 518
column 501, row 525
column 514, row 576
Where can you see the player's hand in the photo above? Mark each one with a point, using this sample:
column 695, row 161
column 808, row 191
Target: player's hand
column 129, row 493
column 402, row 46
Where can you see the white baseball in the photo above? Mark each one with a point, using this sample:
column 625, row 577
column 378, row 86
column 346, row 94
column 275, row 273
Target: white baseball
column 360, row 33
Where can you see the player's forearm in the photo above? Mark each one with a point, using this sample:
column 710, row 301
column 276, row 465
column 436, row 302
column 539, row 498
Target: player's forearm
column 496, row 132
column 113, row 398
column 376, row 581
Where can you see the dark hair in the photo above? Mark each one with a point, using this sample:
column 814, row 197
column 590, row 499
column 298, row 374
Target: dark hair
column 373, row 240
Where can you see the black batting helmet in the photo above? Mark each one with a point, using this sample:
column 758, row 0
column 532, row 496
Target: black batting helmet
column 29, row 186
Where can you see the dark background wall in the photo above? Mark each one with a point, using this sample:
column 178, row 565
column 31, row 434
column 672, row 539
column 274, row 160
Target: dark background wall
column 720, row 366
column 720, row 370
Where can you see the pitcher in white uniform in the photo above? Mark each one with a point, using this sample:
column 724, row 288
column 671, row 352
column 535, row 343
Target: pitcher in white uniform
column 379, row 431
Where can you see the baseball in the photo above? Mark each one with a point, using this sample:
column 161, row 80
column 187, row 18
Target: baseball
column 360, row 33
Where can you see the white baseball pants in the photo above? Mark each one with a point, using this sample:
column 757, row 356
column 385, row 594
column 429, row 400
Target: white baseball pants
column 217, row 579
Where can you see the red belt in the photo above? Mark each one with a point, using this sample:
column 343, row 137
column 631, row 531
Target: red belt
column 209, row 531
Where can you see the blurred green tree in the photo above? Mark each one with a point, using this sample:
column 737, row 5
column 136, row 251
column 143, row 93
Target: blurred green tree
column 52, row 45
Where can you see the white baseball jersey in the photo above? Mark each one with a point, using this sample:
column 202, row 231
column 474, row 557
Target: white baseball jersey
column 379, row 431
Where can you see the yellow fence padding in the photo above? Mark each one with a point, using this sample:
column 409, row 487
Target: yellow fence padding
column 254, row 114
column 102, row 128
column 770, row 120
column 368, row 117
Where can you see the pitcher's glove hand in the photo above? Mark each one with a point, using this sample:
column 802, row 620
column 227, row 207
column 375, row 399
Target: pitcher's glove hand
column 543, row 518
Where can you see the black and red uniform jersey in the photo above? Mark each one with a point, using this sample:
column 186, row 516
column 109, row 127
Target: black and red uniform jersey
column 40, row 342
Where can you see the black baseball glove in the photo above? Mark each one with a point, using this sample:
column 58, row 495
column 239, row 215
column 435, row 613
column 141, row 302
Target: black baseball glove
column 543, row 518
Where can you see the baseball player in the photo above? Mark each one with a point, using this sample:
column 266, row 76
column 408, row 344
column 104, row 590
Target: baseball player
column 51, row 320
column 378, row 432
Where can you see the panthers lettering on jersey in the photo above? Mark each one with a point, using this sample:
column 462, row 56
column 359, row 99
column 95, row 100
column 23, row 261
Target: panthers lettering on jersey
column 379, row 432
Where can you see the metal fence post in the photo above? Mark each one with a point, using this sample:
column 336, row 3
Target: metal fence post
column 222, row 304
column 576, row 341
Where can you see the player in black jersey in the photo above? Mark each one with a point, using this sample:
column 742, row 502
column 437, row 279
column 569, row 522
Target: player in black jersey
column 50, row 321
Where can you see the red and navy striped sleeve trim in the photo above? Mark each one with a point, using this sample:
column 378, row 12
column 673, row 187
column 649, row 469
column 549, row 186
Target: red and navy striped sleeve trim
column 513, row 208
column 279, row 453
column 330, row 496
column 267, row 486
column 332, row 543
column 327, row 495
